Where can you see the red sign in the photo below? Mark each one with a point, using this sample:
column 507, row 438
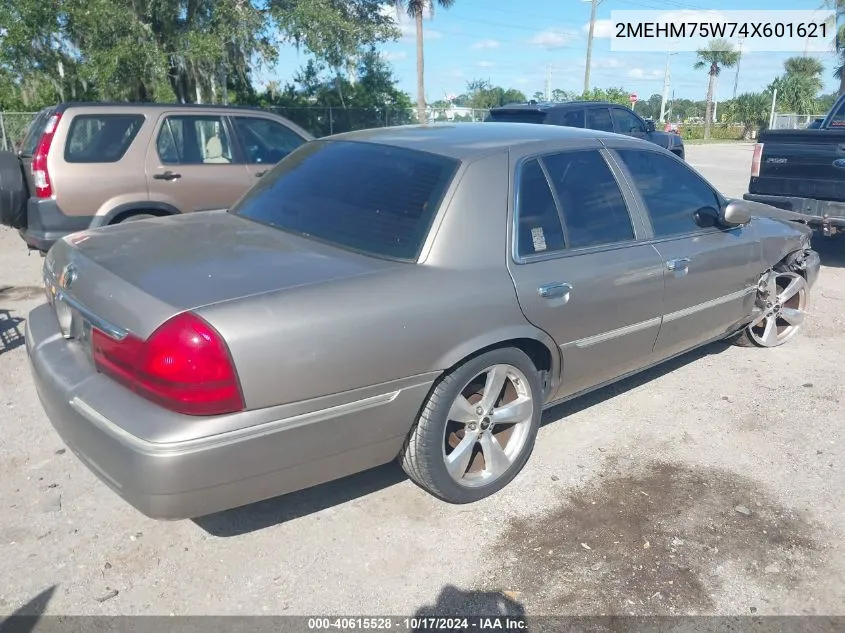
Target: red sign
column 633, row 98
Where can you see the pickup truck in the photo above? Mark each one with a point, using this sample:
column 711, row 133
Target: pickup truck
column 803, row 171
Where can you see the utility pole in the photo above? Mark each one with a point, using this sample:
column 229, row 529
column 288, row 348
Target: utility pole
column 593, row 5
column 739, row 59
column 549, row 84
column 665, row 96
column 772, row 114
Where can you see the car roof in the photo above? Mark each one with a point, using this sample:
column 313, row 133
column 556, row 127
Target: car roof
column 467, row 141
column 142, row 105
column 549, row 105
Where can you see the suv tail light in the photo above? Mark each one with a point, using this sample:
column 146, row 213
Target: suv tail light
column 185, row 366
column 755, row 160
column 40, row 173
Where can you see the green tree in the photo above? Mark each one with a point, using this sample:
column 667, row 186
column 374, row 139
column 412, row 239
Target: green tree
column 612, row 95
column 190, row 50
column 809, row 68
column 719, row 54
column 483, row 95
column 796, row 93
column 415, row 9
column 751, row 110
column 324, row 102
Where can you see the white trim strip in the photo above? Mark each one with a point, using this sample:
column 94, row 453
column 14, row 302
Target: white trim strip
column 258, row 430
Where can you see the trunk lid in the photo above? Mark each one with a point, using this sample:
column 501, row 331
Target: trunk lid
column 802, row 164
column 138, row 274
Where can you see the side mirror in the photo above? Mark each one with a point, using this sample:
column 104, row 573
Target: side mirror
column 650, row 126
column 706, row 217
column 737, row 213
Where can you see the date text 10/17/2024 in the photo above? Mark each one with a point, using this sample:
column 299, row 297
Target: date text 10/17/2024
column 694, row 30
column 421, row 623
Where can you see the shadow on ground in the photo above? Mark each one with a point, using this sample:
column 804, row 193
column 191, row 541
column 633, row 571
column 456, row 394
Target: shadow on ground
column 455, row 602
column 25, row 619
column 830, row 249
column 591, row 399
column 265, row 514
column 11, row 336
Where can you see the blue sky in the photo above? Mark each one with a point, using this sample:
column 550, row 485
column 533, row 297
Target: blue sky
column 513, row 44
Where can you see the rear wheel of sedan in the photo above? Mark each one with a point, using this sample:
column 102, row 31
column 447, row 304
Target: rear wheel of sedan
column 783, row 298
column 477, row 429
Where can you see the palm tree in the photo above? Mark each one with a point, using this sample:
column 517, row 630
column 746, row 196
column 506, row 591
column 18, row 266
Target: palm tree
column 809, row 67
column 751, row 110
column 719, row 54
column 415, row 9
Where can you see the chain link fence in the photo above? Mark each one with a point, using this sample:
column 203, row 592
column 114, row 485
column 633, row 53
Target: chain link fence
column 13, row 126
column 794, row 121
column 318, row 120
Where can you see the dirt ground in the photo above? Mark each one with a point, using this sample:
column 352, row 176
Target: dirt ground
column 711, row 485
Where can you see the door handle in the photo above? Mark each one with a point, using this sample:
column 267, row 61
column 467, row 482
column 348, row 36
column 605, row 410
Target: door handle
column 678, row 265
column 555, row 290
column 261, row 173
column 168, row 175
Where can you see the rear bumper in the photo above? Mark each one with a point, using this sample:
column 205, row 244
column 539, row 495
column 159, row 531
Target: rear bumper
column 46, row 224
column 816, row 212
column 261, row 454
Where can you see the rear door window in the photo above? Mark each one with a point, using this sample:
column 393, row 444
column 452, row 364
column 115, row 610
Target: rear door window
column 34, row 132
column 194, row 140
column 599, row 119
column 264, row 140
column 517, row 116
column 373, row 199
column 538, row 228
column 571, row 118
column 594, row 210
column 101, row 138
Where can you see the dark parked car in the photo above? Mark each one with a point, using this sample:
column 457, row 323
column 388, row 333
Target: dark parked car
column 803, row 171
column 594, row 115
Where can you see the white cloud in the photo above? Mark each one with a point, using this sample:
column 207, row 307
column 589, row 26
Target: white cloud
column 406, row 25
column 639, row 73
column 486, row 64
column 521, row 81
column 607, row 62
column 486, row 44
column 457, row 72
column 602, row 28
column 553, row 38
column 395, row 56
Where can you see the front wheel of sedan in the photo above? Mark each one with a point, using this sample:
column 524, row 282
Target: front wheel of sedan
column 477, row 429
column 782, row 301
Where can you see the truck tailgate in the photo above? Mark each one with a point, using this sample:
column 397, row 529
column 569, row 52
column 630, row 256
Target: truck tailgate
column 802, row 164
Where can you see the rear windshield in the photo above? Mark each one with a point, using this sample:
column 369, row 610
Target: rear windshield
column 34, row 132
column 101, row 138
column 370, row 198
column 517, row 116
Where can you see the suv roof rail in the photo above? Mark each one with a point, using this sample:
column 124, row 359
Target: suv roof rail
column 146, row 104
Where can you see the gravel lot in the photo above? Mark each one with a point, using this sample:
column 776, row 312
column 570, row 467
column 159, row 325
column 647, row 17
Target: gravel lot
column 710, row 485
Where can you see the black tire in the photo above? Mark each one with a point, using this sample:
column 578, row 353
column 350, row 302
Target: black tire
column 136, row 216
column 422, row 454
column 13, row 191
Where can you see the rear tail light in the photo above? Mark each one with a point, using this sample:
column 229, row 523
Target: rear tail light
column 40, row 173
column 755, row 160
column 184, row 366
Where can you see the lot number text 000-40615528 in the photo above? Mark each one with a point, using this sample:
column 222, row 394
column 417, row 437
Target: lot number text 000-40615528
column 692, row 30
